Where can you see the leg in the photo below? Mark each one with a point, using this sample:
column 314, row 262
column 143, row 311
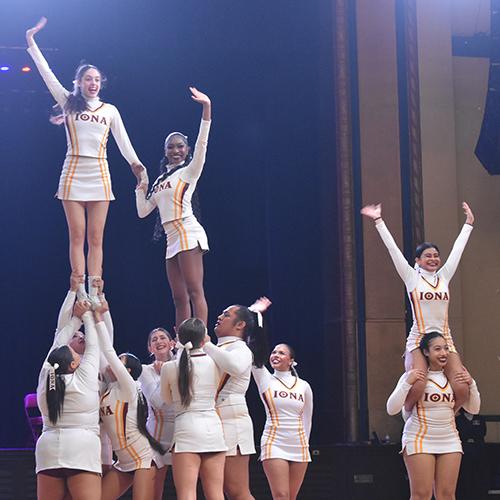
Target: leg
column 420, row 469
column 236, row 478
column 186, row 467
column 160, row 476
column 447, row 469
column 415, row 359
column 97, row 211
column 179, row 290
column 85, row 486
column 297, row 473
column 212, row 475
column 115, row 484
column 50, row 488
column 144, row 481
column 278, row 476
column 460, row 389
column 191, row 265
column 75, row 218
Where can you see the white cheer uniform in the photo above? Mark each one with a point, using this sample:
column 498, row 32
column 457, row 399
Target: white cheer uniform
column 171, row 193
column 234, row 358
column 161, row 416
column 118, row 412
column 85, row 174
column 430, row 428
column 197, row 428
column 288, row 401
column 73, row 442
column 428, row 292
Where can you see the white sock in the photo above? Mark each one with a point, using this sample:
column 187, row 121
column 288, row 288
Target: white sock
column 81, row 293
column 93, row 289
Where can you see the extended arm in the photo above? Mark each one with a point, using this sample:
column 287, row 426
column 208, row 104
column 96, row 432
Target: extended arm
column 59, row 93
column 308, row 411
column 234, row 362
column 261, row 377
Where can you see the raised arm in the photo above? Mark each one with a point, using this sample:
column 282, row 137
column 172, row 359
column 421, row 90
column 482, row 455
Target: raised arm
column 59, row 93
column 405, row 271
column 193, row 171
column 262, row 378
column 234, row 362
column 66, row 311
column 449, row 268
column 397, row 399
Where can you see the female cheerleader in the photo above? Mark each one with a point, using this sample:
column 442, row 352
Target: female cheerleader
column 68, row 451
column 85, row 183
column 288, row 401
column 123, row 412
column 190, row 383
column 238, row 342
column 431, row 446
column 161, row 416
column 186, row 239
column 428, row 290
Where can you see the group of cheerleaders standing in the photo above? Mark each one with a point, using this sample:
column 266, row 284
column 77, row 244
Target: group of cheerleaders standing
column 188, row 409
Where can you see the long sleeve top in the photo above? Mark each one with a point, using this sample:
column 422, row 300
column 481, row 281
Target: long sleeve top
column 86, row 132
column 172, row 191
column 81, row 400
column 234, row 358
column 428, row 292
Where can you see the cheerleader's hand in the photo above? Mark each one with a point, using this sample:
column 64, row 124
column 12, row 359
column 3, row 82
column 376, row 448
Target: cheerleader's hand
column 33, row 31
column 414, row 376
column 75, row 280
column 80, row 308
column 372, row 211
column 463, row 377
column 98, row 282
column 199, row 97
column 141, row 174
column 469, row 216
column 261, row 305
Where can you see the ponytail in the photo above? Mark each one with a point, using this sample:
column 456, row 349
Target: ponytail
column 254, row 334
column 185, row 381
column 58, row 363
column 142, row 417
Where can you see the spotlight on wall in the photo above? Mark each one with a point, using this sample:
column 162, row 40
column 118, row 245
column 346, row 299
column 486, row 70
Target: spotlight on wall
column 4, row 68
column 25, row 69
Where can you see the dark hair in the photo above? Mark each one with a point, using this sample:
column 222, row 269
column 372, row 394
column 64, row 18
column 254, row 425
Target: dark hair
column 158, row 329
column 55, row 394
column 253, row 335
column 190, row 330
column 424, row 246
column 426, row 340
column 133, row 364
column 158, row 231
column 76, row 102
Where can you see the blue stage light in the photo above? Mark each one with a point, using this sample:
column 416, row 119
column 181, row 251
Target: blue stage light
column 4, row 68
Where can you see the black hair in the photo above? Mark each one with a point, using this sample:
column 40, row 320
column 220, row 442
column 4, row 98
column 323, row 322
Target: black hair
column 158, row 231
column 253, row 335
column 134, row 365
column 424, row 246
column 56, row 387
column 190, row 330
column 426, row 340
column 76, row 102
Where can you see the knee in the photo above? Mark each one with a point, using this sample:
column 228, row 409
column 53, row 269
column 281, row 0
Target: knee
column 281, row 495
column 181, row 299
column 77, row 235
column 234, row 491
column 94, row 238
column 421, row 494
column 195, row 291
column 445, row 493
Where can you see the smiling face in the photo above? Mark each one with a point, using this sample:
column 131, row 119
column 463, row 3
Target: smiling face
column 429, row 259
column 280, row 358
column 176, row 149
column 90, row 83
column 437, row 354
column 160, row 345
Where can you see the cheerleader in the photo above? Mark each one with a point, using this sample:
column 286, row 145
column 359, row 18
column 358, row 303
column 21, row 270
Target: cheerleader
column 236, row 330
column 288, row 402
column 171, row 193
column 68, row 451
column 427, row 285
column 190, row 384
column 160, row 423
column 85, row 183
column 431, row 446
column 123, row 412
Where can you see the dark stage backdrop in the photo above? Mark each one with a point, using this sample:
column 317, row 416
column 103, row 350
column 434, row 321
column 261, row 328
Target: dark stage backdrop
column 268, row 66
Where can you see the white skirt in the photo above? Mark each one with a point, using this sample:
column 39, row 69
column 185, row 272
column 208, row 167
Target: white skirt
column 68, row 449
column 238, row 429
column 184, row 234
column 198, row 432
column 286, row 443
column 85, row 179
column 138, row 455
